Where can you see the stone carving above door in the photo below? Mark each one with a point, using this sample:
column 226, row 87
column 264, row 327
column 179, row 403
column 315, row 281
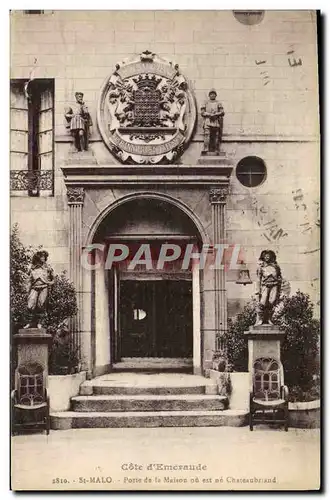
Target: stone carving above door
column 146, row 112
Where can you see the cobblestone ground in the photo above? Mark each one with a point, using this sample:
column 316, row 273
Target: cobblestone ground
column 114, row 459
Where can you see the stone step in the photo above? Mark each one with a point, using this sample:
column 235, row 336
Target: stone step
column 120, row 403
column 80, row 420
column 158, row 384
column 88, row 389
column 154, row 365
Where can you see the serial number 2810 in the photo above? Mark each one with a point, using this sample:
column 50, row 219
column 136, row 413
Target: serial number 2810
column 60, row 480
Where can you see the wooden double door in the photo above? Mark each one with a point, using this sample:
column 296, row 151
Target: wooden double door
column 155, row 318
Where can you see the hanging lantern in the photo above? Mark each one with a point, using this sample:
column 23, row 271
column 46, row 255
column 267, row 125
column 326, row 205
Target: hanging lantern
column 244, row 277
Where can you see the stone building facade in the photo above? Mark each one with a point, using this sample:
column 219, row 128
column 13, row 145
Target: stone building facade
column 261, row 192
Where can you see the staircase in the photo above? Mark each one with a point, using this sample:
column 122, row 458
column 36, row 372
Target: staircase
column 148, row 400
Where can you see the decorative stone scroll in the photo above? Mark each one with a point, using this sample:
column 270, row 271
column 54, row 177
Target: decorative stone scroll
column 146, row 112
column 218, row 194
column 75, row 195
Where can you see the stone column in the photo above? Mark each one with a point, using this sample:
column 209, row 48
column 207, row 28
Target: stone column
column 75, row 201
column 218, row 196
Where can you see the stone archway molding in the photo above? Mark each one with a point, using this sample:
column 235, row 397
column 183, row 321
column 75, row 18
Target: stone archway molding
column 152, row 195
column 93, row 301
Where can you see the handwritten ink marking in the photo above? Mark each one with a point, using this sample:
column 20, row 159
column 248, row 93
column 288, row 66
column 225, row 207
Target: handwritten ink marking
column 280, row 233
column 318, row 218
column 266, row 77
column 311, row 251
column 295, row 62
column 270, row 223
column 306, row 227
column 266, row 221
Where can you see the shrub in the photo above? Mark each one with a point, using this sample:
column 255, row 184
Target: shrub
column 236, row 342
column 62, row 303
column 63, row 357
column 20, row 261
column 300, row 346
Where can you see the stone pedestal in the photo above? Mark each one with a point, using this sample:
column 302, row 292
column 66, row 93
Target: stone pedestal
column 212, row 159
column 264, row 341
column 32, row 347
column 81, row 157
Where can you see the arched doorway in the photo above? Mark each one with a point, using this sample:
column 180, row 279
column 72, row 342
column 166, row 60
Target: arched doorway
column 145, row 310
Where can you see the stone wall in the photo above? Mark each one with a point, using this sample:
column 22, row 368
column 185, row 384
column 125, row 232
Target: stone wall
column 271, row 106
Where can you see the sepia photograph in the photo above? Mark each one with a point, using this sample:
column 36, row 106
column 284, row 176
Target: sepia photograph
column 165, row 250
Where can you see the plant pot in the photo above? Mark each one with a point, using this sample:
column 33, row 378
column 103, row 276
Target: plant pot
column 61, row 388
column 239, row 398
column 305, row 415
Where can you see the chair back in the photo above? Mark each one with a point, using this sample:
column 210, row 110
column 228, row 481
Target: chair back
column 267, row 379
column 30, row 384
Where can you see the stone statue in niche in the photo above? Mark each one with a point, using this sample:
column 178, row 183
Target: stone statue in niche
column 268, row 287
column 40, row 279
column 79, row 122
column 212, row 112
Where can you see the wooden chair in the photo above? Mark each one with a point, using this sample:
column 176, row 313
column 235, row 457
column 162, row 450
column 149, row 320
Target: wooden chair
column 30, row 402
column 269, row 396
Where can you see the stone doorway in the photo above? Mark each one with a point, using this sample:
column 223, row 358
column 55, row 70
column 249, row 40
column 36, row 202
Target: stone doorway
column 151, row 219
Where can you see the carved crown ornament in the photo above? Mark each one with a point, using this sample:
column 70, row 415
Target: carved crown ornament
column 146, row 112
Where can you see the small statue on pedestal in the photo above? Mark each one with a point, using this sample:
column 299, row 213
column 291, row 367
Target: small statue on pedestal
column 212, row 111
column 79, row 121
column 41, row 278
column 268, row 286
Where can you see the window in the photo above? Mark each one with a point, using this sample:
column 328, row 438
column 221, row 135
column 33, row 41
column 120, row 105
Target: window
column 249, row 17
column 31, row 137
column 251, row 171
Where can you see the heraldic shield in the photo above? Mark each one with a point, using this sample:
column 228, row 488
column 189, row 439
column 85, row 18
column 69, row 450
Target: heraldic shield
column 146, row 112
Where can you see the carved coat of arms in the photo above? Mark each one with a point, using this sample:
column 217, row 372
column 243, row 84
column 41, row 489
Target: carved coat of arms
column 146, row 112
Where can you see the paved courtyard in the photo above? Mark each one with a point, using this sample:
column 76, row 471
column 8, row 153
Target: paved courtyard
column 219, row 458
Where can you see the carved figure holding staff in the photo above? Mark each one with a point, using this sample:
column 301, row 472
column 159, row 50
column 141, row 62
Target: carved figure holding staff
column 40, row 279
column 212, row 112
column 268, row 286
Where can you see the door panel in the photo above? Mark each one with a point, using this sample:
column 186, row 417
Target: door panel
column 113, row 315
column 174, row 327
column 136, row 318
column 156, row 318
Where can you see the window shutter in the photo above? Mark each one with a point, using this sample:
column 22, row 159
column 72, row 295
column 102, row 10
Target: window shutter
column 18, row 128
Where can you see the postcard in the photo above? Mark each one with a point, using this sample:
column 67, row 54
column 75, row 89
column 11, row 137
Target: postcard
column 165, row 250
